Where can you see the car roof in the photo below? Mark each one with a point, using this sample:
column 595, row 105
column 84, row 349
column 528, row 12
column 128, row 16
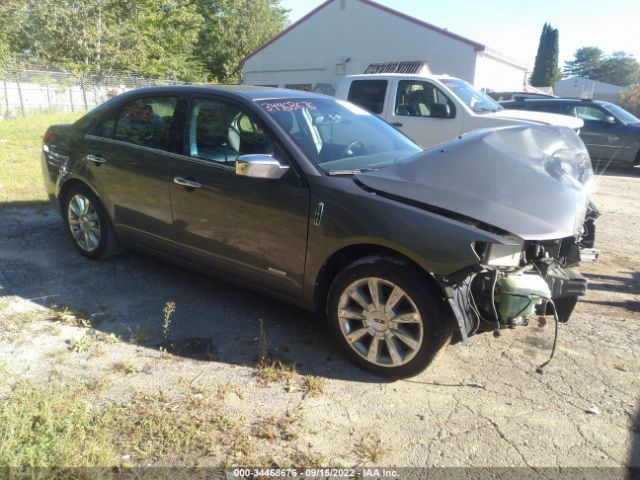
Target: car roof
column 364, row 76
column 562, row 100
column 250, row 92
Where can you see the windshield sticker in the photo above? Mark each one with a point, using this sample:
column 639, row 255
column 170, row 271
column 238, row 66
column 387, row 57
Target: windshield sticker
column 287, row 106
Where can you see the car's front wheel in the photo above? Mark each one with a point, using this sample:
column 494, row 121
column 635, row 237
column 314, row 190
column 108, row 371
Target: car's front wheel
column 88, row 224
column 386, row 317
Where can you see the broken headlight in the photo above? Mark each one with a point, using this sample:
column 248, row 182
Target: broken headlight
column 497, row 255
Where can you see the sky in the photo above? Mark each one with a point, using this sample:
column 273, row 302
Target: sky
column 513, row 27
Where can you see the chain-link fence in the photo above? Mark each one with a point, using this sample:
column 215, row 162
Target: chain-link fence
column 30, row 91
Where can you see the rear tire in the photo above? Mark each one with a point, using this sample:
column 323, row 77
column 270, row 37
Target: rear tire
column 88, row 224
column 395, row 332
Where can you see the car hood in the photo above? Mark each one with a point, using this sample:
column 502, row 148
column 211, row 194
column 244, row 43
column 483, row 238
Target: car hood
column 531, row 181
column 540, row 117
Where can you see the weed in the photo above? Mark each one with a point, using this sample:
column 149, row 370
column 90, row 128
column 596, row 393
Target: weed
column 68, row 316
column 313, row 386
column 88, row 341
column 270, row 370
column 169, row 310
column 82, row 344
column 273, row 370
column 45, row 427
column 263, row 345
column 229, row 388
column 125, row 367
column 369, row 448
column 139, row 337
column 277, row 428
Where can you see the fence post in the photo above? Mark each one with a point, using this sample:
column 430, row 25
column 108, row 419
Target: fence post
column 48, row 98
column 20, row 93
column 84, row 92
column 71, row 97
column 6, row 97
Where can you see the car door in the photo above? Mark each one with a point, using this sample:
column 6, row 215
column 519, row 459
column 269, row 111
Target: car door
column 603, row 139
column 253, row 229
column 424, row 113
column 128, row 158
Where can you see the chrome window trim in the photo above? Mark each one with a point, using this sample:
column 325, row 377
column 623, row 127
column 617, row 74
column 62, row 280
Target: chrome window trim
column 177, row 156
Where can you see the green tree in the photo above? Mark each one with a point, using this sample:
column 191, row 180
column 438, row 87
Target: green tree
column 587, row 62
column 11, row 18
column 620, row 68
column 545, row 71
column 630, row 100
column 194, row 40
column 232, row 29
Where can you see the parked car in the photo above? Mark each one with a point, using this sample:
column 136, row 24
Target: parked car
column 317, row 202
column 504, row 96
column 433, row 109
column 611, row 134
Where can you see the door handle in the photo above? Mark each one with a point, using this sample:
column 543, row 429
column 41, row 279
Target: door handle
column 396, row 124
column 96, row 158
column 186, row 183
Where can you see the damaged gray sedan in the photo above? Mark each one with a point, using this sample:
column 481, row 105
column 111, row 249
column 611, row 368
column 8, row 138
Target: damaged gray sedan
column 318, row 203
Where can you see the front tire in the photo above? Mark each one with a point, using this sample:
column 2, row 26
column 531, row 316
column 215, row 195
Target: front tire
column 88, row 224
column 386, row 317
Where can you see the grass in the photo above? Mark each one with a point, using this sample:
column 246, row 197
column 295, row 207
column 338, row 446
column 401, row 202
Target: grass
column 313, row 386
column 20, row 150
column 369, row 448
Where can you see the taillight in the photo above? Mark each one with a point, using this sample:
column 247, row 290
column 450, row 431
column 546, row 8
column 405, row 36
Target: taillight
column 47, row 136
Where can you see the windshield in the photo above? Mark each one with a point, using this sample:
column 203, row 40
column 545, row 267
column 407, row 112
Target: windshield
column 341, row 138
column 621, row 114
column 475, row 99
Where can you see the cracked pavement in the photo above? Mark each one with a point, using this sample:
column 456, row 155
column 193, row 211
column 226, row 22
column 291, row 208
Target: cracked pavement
column 479, row 404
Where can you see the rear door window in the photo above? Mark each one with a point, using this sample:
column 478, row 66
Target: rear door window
column 368, row 94
column 146, row 122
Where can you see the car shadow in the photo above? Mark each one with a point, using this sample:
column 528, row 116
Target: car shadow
column 612, row 283
column 126, row 295
column 603, row 169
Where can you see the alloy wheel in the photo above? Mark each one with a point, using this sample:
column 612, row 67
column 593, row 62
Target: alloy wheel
column 84, row 223
column 380, row 322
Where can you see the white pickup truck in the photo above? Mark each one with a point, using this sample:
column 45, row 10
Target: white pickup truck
column 433, row 109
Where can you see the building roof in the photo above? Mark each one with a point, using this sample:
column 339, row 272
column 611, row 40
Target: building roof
column 478, row 47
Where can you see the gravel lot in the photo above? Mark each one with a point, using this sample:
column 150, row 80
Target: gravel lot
column 480, row 404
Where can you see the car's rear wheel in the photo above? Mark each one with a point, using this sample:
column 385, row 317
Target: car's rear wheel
column 386, row 317
column 88, row 224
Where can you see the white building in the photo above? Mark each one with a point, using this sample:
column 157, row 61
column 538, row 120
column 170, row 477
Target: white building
column 342, row 37
column 582, row 87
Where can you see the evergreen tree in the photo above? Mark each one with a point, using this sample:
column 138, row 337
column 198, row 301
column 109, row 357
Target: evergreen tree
column 545, row 71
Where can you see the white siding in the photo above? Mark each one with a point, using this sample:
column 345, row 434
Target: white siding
column 498, row 75
column 312, row 51
column 582, row 87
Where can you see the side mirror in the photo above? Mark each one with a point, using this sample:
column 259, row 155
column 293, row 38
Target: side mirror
column 609, row 120
column 260, row 166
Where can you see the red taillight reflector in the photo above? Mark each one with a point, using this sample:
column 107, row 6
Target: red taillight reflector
column 47, row 136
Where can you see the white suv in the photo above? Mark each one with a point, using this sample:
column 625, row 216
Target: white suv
column 433, row 109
